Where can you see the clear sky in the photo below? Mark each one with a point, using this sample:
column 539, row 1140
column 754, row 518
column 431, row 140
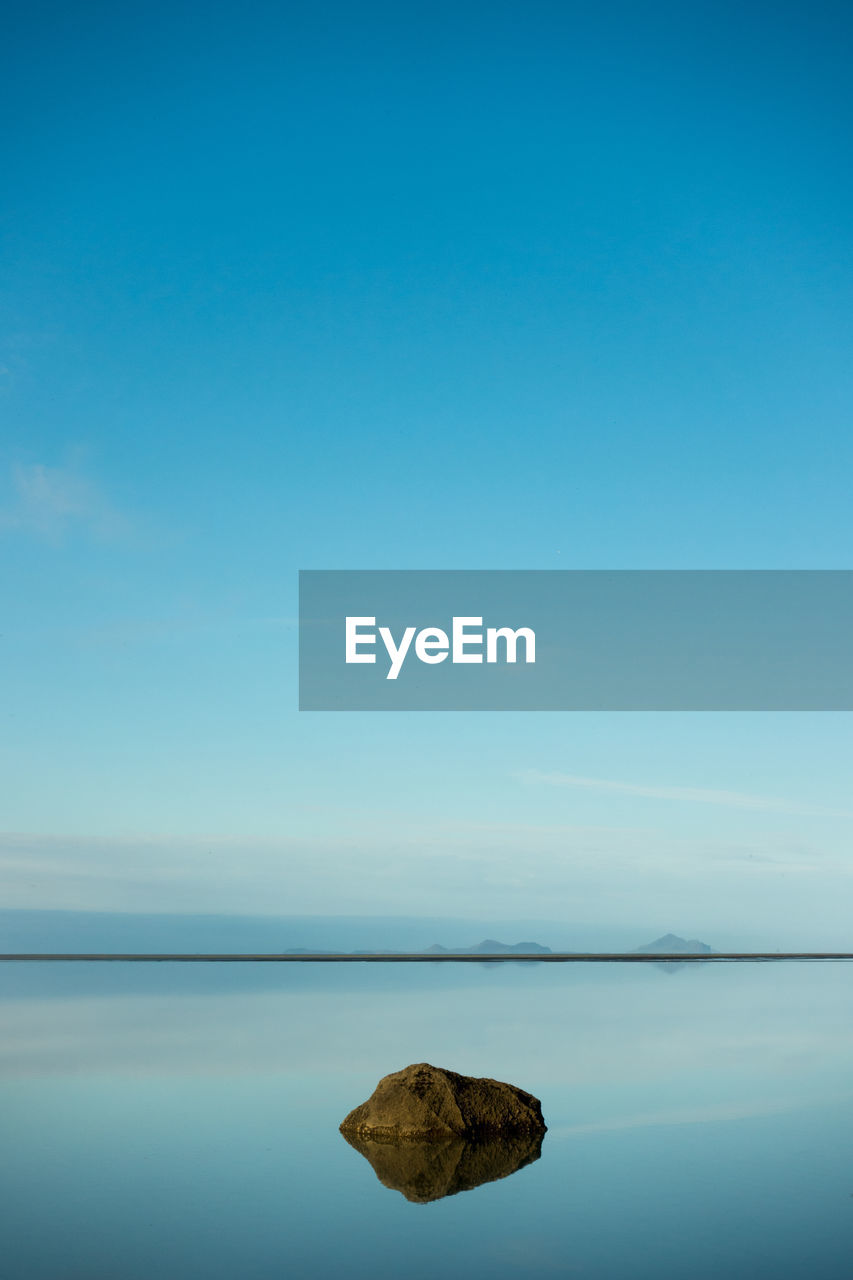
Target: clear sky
column 511, row 285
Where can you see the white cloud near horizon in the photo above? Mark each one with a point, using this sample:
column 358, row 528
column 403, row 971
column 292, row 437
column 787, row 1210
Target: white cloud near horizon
column 769, row 893
column 689, row 795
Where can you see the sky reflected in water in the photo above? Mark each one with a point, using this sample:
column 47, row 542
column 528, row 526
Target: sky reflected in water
column 184, row 1122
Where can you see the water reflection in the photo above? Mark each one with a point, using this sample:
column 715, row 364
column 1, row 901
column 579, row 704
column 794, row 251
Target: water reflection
column 425, row 1171
column 184, row 1125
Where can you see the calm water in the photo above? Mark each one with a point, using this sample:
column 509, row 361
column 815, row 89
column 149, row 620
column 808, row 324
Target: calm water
column 183, row 1121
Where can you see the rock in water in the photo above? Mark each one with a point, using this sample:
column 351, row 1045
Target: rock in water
column 423, row 1102
column 430, row 1170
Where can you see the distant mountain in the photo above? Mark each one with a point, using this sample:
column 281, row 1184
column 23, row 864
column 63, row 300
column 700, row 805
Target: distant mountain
column 120, row 931
column 490, row 947
column 671, row 944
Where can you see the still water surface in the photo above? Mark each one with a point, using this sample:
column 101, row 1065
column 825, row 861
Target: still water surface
column 183, row 1121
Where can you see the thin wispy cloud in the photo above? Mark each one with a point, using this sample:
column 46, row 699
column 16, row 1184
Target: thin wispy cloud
column 53, row 502
column 689, row 795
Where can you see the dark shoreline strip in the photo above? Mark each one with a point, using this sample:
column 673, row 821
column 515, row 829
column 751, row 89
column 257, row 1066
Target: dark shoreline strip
column 406, row 957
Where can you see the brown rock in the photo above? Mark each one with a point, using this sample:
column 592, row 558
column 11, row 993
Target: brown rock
column 423, row 1102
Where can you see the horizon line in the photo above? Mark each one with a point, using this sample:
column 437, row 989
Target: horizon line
column 409, row 957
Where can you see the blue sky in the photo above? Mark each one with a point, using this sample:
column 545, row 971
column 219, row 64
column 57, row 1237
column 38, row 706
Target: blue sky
column 411, row 286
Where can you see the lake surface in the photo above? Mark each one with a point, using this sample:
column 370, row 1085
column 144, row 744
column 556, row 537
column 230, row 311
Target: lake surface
column 182, row 1121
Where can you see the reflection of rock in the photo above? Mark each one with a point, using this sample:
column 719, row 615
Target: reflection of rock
column 430, row 1170
column 426, row 1102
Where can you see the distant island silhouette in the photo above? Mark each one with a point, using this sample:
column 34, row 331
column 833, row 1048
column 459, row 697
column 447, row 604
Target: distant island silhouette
column 671, row 944
column 492, row 948
column 488, row 947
